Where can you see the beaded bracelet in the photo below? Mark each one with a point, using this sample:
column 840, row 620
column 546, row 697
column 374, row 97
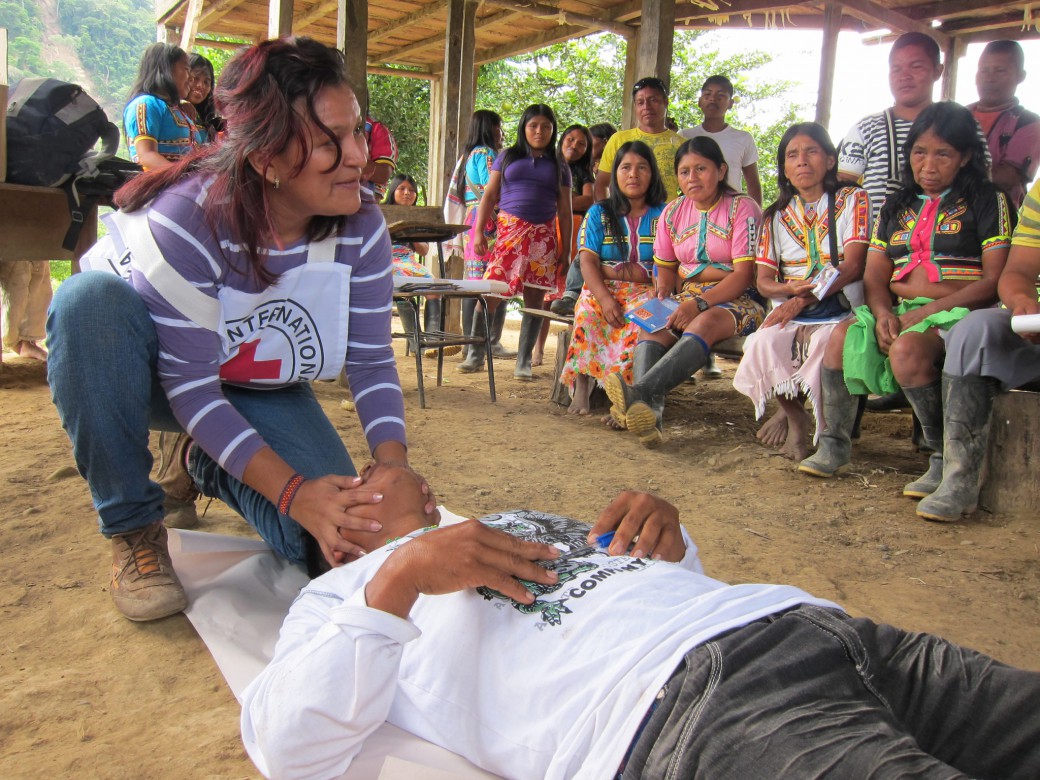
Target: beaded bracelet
column 289, row 493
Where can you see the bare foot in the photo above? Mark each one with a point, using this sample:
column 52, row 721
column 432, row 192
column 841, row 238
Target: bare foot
column 580, row 395
column 773, row 430
column 609, row 422
column 537, row 356
column 30, row 349
column 795, row 447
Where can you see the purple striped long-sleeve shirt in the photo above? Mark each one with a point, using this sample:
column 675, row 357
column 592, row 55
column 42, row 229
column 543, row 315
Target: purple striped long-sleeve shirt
column 190, row 355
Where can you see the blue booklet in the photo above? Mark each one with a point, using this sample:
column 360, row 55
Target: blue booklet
column 652, row 315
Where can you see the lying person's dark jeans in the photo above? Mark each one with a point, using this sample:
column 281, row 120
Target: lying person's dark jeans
column 812, row 692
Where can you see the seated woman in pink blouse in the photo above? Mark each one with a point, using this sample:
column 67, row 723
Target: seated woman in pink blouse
column 705, row 247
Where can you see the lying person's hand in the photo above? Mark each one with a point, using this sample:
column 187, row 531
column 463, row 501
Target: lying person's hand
column 651, row 522
column 459, row 557
column 433, row 515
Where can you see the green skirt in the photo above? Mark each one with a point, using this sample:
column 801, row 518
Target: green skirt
column 866, row 369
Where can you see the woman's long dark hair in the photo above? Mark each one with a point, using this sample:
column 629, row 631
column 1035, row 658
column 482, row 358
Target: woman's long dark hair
column 709, row 149
column 207, row 109
column 482, row 127
column 155, row 73
column 616, row 207
column 521, row 149
column 785, row 190
column 954, row 124
column 258, row 92
column 581, row 169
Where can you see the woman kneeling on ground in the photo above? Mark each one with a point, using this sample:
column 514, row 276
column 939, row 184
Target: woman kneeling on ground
column 257, row 265
column 616, row 252
column 814, row 229
column 938, row 248
column 708, row 236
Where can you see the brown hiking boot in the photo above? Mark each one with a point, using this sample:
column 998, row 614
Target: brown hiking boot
column 144, row 584
column 173, row 478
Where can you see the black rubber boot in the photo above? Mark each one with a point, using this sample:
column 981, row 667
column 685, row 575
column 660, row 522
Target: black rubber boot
column 498, row 322
column 927, row 405
column 529, row 328
column 839, row 412
column 407, row 315
column 474, row 361
column 469, row 305
column 967, row 404
column 643, row 402
column 432, row 314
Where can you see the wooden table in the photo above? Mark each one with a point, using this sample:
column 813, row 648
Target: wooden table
column 33, row 222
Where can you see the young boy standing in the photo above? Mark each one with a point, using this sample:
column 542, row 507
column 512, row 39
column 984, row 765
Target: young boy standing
column 738, row 146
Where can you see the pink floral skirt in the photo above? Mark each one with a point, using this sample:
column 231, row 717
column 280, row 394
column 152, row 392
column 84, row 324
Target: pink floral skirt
column 597, row 348
column 524, row 254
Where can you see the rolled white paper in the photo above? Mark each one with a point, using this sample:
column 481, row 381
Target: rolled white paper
column 1026, row 323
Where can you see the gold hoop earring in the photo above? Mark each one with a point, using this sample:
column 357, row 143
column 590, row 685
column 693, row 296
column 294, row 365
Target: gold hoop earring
column 277, row 182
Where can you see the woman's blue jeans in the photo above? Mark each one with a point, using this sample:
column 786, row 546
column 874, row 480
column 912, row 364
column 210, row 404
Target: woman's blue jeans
column 812, row 692
column 102, row 373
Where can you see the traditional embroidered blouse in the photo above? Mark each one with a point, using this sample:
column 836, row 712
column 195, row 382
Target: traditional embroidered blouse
column 946, row 235
column 720, row 237
column 796, row 241
column 595, row 236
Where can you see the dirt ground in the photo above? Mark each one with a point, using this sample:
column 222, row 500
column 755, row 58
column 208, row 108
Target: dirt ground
column 86, row 693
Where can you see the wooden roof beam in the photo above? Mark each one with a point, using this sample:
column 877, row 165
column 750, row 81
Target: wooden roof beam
column 947, row 8
column 735, row 8
column 438, row 40
column 566, row 17
column 870, row 11
column 404, row 22
column 217, row 11
column 317, row 13
column 530, row 43
column 980, row 24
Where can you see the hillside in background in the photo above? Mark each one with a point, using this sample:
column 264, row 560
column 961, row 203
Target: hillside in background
column 94, row 43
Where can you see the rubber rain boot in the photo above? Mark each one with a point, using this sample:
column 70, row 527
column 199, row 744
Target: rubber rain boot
column 529, row 328
column 839, row 411
column 967, row 404
column 498, row 322
column 927, row 404
column 476, row 356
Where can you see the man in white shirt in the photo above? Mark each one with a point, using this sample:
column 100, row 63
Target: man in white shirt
column 486, row 638
column 738, row 146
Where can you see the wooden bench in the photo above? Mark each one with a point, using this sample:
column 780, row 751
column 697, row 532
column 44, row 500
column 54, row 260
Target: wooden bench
column 33, row 223
column 1009, row 482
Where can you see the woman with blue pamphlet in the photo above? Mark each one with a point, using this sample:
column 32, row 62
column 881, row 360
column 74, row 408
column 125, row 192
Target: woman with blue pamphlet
column 810, row 260
column 705, row 248
column 616, row 252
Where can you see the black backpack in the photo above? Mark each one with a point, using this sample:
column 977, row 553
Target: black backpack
column 52, row 128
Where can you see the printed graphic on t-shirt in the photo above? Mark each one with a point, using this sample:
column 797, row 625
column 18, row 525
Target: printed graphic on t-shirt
column 578, row 576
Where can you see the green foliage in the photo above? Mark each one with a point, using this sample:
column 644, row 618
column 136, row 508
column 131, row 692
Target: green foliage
column 110, row 37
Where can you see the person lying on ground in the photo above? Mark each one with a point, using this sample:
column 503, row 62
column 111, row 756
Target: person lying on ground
column 512, row 643
column 938, row 247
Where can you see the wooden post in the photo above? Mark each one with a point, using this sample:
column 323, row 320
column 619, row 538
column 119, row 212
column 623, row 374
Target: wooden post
column 279, row 18
column 191, row 24
column 952, row 53
column 435, row 186
column 631, row 77
column 352, row 38
column 454, row 41
column 828, row 56
column 467, row 80
column 649, row 51
column 655, row 39
column 1009, row 481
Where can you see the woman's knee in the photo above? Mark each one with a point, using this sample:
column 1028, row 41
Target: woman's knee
column 914, row 358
